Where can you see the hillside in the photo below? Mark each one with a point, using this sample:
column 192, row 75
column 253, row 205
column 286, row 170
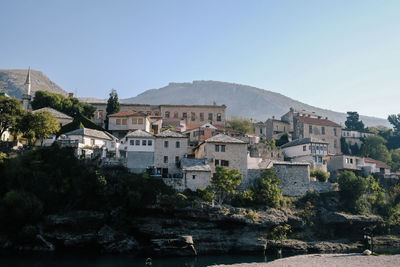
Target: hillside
column 12, row 82
column 241, row 100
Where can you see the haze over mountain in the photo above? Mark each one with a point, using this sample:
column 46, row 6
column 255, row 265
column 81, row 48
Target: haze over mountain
column 12, row 82
column 241, row 100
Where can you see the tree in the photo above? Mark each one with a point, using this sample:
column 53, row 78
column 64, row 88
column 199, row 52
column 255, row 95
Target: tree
column 38, row 125
column 225, row 183
column 374, row 147
column 112, row 105
column 240, row 124
column 320, row 175
column 10, row 112
column 353, row 122
column 351, row 188
column 395, row 121
column 266, row 189
column 283, row 140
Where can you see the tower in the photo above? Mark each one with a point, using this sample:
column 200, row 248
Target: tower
column 26, row 98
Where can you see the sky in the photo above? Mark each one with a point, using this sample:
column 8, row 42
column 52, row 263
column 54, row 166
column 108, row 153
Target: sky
column 340, row 55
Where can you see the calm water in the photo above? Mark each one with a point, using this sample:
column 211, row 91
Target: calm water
column 123, row 261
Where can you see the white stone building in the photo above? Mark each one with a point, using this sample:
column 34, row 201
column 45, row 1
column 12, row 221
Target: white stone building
column 123, row 122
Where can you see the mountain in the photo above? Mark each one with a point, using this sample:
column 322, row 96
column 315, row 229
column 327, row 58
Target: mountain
column 12, row 82
column 241, row 100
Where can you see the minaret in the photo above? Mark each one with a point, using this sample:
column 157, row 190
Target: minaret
column 26, row 98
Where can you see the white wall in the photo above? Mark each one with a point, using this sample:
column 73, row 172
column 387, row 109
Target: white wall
column 140, row 147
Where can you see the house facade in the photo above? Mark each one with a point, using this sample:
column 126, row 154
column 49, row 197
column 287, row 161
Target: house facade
column 354, row 137
column 119, row 124
column 196, row 173
column 273, row 129
column 171, row 147
column 224, row 150
column 138, row 148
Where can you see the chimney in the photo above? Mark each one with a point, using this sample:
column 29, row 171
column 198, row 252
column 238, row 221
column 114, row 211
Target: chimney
column 326, row 118
column 214, row 103
column 273, row 117
column 71, row 95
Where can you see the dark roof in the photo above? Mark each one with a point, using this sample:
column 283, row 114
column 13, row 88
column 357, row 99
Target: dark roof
column 90, row 132
column 127, row 113
column 222, row 138
column 57, row 114
column 139, row 133
column 303, row 141
column 169, row 133
column 189, row 164
column 379, row 164
column 323, row 122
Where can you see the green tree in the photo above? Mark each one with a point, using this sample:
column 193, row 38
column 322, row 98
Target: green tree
column 112, row 105
column 351, row 189
column 266, row 189
column 38, row 125
column 283, row 140
column 11, row 111
column 374, row 147
column 353, row 121
column 240, row 124
column 395, row 121
column 320, row 175
column 344, row 146
column 225, row 183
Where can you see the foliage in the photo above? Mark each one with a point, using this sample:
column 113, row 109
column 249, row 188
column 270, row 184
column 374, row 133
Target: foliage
column 280, row 232
column 68, row 105
column 351, row 188
column 112, row 105
column 38, row 125
column 225, row 183
column 266, row 190
column 252, row 215
column 374, row 147
column 320, row 175
column 283, row 140
column 240, row 124
column 79, row 122
column 353, row 121
column 395, row 121
column 344, row 146
column 207, row 194
column 11, row 111
column 243, row 199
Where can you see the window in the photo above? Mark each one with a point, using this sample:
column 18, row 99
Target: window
column 310, row 129
column 201, row 116
column 216, row 148
column 201, row 132
column 100, row 114
column 166, row 114
column 118, row 122
column 165, row 159
column 144, row 142
column 219, row 117
column 184, row 115
column 177, row 159
column 210, row 116
column 165, row 143
column 140, row 120
column 149, row 142
column 176, row 114
column 134, row 120
column 225, row 163
column 222, row 148
column 194, row 177
column 124, row 121
column 178, row 144
column 193, row 116
column 216, row 162
column 212, row 133
column 156, row 113
column 92, row 142
column 260, row 130
column 304, row 148
column 334, row 131
column 335, row 144
column 323, row 130
column 137, row 142
column 132, row 142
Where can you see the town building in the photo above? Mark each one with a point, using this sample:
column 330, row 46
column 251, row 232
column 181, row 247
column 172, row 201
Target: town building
column 62, row 118
column 171, row 147
column 224, row 150
column 138, row 148
column 373, row 166
column 310, row 149
column 196, row 173
column 119, row 124
column 273, row 129
column 339, row 163
column 352, row 137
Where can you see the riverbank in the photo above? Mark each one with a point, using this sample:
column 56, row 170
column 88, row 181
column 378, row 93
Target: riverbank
column 326, row 260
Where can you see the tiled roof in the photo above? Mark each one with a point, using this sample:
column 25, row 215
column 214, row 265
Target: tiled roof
column 57, row 114
column 303, row 141
column 323, row 122
column 169, row 133
column 379, row 164
column 91, row 133
column 195, row 165
column 139, row 133
column 171, row 122
column 222, row 138
column 127, row 113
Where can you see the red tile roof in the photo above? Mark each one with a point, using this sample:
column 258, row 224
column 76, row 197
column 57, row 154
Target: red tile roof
column 323, row 122
column 127, row 113
column 379, row 164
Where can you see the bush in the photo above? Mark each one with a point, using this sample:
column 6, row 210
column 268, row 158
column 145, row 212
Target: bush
column 206, row 194
column 266, row 190
column 351, row 188
column 243, row 199
column 320, row 175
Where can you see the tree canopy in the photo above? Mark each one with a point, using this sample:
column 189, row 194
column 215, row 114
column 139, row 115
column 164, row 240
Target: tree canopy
column 38, row 125
column 225, row 182
column 395, row 121
column 68, row 105
column 374, row 147
column 240, row 125
column 353, row 121
column 11, row 111
column 112, row 105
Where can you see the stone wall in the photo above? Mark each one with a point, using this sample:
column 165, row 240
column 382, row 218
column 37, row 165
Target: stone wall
column 138, row 162
column 171, row 152
column 197, row 179
column 265, row 151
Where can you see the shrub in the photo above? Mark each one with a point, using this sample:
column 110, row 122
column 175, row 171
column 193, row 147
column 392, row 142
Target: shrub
column 266, row 190
column 206, row 194
column 252, row 215
column 243, row 199
column 351, row 188
column 320, row 175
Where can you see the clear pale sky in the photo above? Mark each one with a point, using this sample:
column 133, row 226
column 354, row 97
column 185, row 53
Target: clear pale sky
column 340, row 55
